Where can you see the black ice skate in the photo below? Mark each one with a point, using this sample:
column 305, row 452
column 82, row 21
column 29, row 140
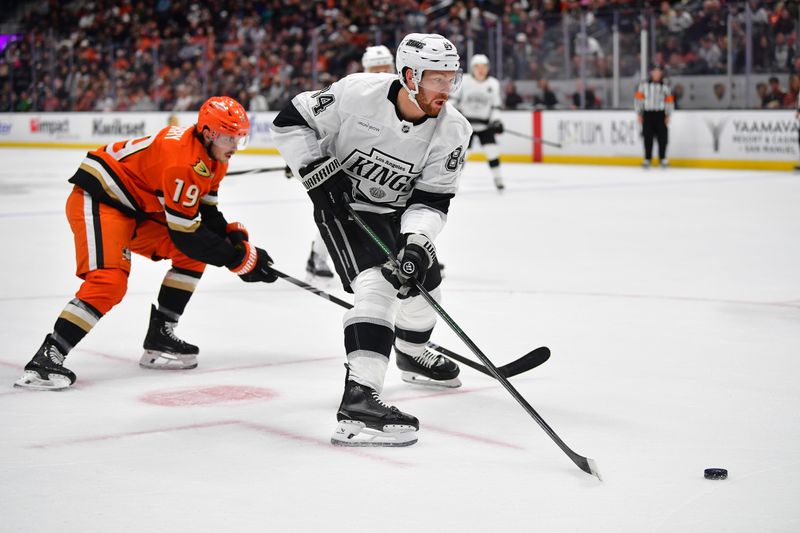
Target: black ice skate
column 364, row 420
column 317, row 266
column 498, row 182
column 429, row 369
column 46, row 370
column 163, row 349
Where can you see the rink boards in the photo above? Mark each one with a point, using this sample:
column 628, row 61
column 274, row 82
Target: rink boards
column 766, row 140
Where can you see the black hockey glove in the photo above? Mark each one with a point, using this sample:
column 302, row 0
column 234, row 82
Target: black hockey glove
column 415, row 259
column 328, row 186
column 497, row 127
column 253, row 264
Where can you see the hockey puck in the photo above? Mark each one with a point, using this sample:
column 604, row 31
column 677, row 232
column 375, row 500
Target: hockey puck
column 715, row 473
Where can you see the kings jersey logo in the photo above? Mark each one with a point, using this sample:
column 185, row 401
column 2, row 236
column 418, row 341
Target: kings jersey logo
column 380, row 177
column 201, row 168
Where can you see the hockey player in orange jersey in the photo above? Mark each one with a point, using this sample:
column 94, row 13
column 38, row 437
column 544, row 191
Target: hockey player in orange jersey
column 155, row 196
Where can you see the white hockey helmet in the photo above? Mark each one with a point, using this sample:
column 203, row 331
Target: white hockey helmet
column 478, row 59
column 377, row 56
column 426, row 51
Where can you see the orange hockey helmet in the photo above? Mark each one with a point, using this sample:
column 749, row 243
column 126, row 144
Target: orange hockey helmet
column 226, row 120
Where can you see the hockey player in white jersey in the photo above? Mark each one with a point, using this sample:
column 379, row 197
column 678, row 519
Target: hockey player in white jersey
column 479, row 101
column 392, row 149
column 375, row 59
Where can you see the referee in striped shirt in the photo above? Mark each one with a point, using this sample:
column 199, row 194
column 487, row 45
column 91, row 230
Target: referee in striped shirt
column 654, row 104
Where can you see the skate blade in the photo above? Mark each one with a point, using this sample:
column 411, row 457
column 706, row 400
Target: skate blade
column 32, row 381
column 354, row 433
column 167, row 361
column 417, row 379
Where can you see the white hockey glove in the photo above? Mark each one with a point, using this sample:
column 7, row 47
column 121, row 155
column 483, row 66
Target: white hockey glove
column 415, row 258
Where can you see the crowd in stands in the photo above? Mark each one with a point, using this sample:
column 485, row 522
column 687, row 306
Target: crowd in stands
column 697, row 43
column 773, row 95
column 146, row 55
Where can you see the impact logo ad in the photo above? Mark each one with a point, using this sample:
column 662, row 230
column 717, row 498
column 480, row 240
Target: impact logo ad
column 49, row 127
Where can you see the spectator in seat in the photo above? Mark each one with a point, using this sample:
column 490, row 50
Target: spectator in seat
column 710, row 53
column 761, row 91
column 761, row 54
column 796, row 65
column 780, row 53
column 547, row 98
column 589, row 98
column 773, row 99
column 790, row 98
column 512, row 98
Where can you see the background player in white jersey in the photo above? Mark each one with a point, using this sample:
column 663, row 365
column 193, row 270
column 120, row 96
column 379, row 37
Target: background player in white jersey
column 375, row 59
column 393, row 149
column 479, row 100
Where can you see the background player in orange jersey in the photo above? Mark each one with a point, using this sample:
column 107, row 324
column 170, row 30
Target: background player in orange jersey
column 156, row 196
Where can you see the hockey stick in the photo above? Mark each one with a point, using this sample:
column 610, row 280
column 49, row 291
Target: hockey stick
column 527, row 362
column 255, row 171
column 584, row 463
column 532, row 138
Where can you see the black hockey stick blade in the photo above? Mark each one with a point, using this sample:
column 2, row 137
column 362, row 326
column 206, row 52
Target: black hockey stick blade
column 255, row 171
column 529, row 361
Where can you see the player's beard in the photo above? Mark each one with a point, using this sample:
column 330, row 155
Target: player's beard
column 432, row 105
column 218, row 153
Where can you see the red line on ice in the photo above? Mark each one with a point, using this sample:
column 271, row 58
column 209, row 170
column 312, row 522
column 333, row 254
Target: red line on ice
column 444, row 392
column 105, row 355
column 360, row 452
column 115, row 436
column 325, row 444
column 459, row 434
column 265, row 365
column 469, row 436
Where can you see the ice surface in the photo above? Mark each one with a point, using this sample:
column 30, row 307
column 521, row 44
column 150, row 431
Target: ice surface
column 670, row 299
